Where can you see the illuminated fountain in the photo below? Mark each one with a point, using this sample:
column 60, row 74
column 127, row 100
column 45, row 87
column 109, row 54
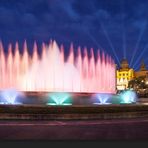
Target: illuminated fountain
column 102, row 99
column 128, row 97
column 9, row 97
column 59, row 99
column 52, row 72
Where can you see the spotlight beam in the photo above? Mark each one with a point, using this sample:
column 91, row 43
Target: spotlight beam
column 123, row 29
column 110, row 43
column 95, row 41
column 137, row 67
column 137, row 43
column 92, row 37
column 141, row 54
column 124, row 43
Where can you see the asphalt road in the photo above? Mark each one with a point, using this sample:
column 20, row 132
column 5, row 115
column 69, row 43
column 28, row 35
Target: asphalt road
column 130, row 129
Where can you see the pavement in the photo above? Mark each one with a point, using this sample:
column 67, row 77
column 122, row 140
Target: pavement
column 123, row 129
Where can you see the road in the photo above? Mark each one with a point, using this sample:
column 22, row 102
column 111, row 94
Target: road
column 130, row 129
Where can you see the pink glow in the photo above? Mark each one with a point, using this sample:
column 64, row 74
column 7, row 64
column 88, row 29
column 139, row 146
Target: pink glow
column 52, row 73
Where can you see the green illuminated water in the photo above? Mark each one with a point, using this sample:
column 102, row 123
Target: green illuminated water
column 59, row 99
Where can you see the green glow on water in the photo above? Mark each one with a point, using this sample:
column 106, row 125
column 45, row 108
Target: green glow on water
column 59, row 99
column 128, row 97
column 125, row 97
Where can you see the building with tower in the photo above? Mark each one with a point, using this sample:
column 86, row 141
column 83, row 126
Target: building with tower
column 124, row 75
column 142, row 71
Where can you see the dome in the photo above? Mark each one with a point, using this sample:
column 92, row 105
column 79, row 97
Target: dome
column 124, row 64
column 124, row 61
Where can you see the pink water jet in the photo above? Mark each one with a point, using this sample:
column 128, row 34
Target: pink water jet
column 53, row 73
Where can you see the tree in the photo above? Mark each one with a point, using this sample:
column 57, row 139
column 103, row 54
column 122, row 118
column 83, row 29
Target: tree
column 139, row 85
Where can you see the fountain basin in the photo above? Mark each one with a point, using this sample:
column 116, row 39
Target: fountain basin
column 40, row 112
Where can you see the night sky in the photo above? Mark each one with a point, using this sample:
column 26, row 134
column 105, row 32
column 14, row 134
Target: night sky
column 120, row 27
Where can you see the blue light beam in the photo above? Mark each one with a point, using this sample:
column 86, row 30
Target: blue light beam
column 110, row 43
column 123, row 29
column 137, row 43
column 140, row 56
column 92, row 37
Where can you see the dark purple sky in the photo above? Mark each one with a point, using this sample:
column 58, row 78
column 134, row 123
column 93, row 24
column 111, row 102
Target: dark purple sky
column 118, row 26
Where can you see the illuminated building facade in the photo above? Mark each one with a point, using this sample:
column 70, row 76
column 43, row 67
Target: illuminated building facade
column 124, row 75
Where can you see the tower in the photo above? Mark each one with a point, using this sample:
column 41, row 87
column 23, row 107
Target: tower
column 143, row 66
column 124, row 64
